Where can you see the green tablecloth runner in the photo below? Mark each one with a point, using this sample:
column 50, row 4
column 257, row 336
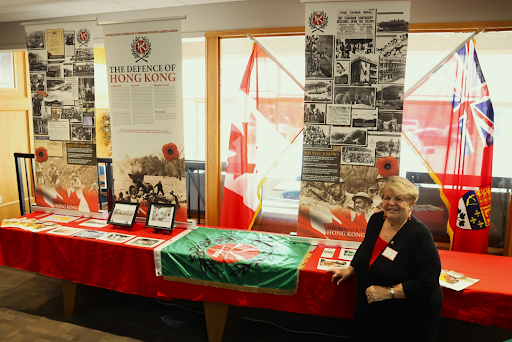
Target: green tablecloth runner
column 239, row 260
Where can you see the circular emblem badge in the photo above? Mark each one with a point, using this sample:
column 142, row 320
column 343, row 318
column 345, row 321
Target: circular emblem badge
column 141, row 48
column 318, row 21
column 232, row 252
column 83, row 36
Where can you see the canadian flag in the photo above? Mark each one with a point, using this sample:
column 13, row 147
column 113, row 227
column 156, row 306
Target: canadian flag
column 258, row 138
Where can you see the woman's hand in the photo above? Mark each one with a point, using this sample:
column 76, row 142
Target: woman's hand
column 377, row 294
column 341, row 274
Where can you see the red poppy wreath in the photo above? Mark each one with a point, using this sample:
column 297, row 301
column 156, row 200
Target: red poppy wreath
column 41, row 154
column 170, row 152
column 387, row 166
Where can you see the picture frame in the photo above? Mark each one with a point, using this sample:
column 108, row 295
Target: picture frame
column 123, row 214
column 161, row 216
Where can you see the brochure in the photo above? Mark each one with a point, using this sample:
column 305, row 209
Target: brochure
column 116, row 237
column 65, row 231
column 89, row 234
column 325, row 264
column 455, row 281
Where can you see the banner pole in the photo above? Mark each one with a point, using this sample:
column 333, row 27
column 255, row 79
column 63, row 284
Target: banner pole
column 251, row 37
column 441, row 63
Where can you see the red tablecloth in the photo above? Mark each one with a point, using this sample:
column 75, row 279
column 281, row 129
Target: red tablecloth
column 130, row 269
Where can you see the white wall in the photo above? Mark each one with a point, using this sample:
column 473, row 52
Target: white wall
column 275, row 13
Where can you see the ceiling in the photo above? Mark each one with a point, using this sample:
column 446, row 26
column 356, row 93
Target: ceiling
column 25, row 10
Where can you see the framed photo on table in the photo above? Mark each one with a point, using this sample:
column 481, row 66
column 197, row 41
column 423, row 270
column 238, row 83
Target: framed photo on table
column 123, row 214
column 161, row 216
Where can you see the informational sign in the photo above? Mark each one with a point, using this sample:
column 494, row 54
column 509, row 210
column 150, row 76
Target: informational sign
column 146, row 110
column 355, row 73
column 61, row 64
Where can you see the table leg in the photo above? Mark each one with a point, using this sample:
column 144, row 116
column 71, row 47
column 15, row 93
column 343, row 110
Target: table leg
column 78, row 297
column 220, row 320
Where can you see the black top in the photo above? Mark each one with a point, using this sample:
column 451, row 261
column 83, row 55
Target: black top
column 417, row 267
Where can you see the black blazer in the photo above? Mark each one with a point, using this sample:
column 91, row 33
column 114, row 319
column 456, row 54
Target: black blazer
column 417, row 267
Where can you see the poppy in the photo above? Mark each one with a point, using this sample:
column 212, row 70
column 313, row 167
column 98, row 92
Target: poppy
column 41, row 154
column 170, row 152
column 387, row 166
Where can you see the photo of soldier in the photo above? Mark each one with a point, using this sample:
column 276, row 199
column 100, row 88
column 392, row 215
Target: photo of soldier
column 319, row 56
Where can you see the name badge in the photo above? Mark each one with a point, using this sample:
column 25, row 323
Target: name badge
column 390, row 253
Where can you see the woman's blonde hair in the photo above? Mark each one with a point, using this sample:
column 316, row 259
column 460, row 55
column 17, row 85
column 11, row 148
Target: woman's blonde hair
column 400, row 186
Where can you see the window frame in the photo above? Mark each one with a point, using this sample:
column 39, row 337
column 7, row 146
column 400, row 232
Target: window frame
column 213, row 163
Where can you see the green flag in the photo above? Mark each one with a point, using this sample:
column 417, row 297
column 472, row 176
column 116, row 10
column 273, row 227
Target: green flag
column 239, row 260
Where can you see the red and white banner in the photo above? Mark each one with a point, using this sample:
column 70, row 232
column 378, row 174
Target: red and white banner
column 146, row 109
column 61, row 64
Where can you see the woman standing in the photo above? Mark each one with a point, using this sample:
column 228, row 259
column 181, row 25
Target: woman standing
column 397, row 267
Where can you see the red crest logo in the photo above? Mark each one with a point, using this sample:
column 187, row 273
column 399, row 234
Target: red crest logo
column 83, row 37
column 232, row 252
column 141, row 48
column 318, row 21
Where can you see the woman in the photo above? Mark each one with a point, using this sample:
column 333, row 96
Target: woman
column 397, row 267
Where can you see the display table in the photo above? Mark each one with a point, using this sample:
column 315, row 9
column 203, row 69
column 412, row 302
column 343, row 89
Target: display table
column 130, row 269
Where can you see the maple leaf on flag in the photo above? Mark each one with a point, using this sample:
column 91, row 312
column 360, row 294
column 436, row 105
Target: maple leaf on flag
column 238, row 164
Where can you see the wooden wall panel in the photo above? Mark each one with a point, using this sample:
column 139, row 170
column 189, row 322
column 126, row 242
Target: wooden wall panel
column 15, row 134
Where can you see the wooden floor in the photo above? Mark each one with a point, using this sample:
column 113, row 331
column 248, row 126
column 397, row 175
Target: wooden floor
column 31, row 309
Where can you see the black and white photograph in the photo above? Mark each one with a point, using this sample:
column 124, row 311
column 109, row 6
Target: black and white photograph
column 390, row 121
column 69, row 46
column 161, row 216
column 364, row 70
column 392, row 45
column 89, row 234
column 56, row 113
column 72, row 113
column 348, row 47
column 55, row 69
column 59, row 89
column 83, row 54
column 117, row 237
column 317, row 136
column 88, row 107
column 52, row 104
column 390, row 96
column 123, row 214
column 40, row 127
column 319, row 56
column 365, row 118
column 35, row 40
column 67, row 69
column 37, row 60
column 86, row 88
column 64, row 231
column 88, row 120
column 342, row 72
column 145, row 242
column 392, row 70
column 338, row 115
column 392, row 22
column 37, row 105
column 37, row 81
column 348, row 136
column 83, row 69
column 314, row 112
column 357, row 97
column 385, row 144
column 318, row 91
column 358, row 155
column 81, row 133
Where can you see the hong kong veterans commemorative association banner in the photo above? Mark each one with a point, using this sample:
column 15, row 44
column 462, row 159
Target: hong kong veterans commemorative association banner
column 355, row 72
column 145, row 91
column 233, row 259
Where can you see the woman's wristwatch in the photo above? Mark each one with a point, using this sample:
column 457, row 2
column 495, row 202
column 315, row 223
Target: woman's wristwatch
column 392, row 291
